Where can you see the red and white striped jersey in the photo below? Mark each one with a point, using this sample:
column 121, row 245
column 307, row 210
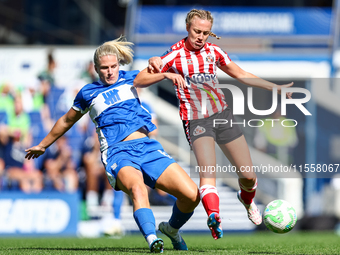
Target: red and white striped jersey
column 201, row 98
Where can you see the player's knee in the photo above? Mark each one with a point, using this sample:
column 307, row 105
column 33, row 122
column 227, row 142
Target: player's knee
column 197, row 198
column 192, row 197
column 138, row 192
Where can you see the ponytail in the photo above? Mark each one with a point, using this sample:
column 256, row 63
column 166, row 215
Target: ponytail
column 118, row 47
column 214, row 35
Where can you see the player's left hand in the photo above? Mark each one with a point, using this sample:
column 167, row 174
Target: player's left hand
column 34, row 152
column 289, row 94
column 155, row 65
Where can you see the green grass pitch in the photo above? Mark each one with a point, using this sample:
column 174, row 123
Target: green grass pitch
column 255, row 243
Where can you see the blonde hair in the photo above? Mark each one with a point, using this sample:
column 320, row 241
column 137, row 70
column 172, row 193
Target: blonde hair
column 118, row 47
column 202, row 14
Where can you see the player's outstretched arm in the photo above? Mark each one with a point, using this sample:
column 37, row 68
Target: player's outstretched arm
column 250, row 79
column 60, row 127
column 145, row 78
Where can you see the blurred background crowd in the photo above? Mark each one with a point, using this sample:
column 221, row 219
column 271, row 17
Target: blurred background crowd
column 46, row 57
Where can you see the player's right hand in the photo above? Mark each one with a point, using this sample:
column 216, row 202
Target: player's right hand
column 289, row 94
column 35, row 152
column 177, row 79
column 155, row 65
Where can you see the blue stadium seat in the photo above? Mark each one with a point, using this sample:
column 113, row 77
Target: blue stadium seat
column 52, row 100
column 8, row 185
column 38, row 133
column 37, row 127
column 3, row 117
column 76, row 140
column 35, row 116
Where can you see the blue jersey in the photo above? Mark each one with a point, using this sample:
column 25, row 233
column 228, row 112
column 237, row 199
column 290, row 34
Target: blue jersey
column 114, row 109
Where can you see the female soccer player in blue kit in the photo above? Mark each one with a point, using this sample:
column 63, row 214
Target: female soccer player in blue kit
column 130, row 158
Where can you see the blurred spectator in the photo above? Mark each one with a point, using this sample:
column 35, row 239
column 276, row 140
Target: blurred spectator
column 20, row 170
column 6, row 108
column 34, row 95
column 47, row 81
column 89, row 75
column 14, row 139
column 65, row 101
column 6, row 99
column 19, row 123
column 48, row 74
column 59, row 166
column 275, row 139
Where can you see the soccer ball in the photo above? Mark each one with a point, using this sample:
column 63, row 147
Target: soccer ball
column 279, row 216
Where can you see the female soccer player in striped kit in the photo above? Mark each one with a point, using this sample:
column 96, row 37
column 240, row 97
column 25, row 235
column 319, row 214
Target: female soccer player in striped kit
column 195, row 60
column 129, row 156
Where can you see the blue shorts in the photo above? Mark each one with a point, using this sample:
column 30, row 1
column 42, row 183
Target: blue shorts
column 144, row 154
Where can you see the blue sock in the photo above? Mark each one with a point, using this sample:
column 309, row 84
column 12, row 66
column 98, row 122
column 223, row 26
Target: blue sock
column 117, row 203
column 178, row 218
column 145, row 221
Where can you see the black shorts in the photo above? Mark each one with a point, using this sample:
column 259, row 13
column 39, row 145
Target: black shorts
column 217, row 126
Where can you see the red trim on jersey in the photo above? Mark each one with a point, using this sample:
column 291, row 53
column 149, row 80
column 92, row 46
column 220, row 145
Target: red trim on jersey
column 221, row 59
column 206, row 86
column 168, row 65
column 182, row 107
column 200, row 61
column 211, row 66
column 212, row 103
column 198, row 95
